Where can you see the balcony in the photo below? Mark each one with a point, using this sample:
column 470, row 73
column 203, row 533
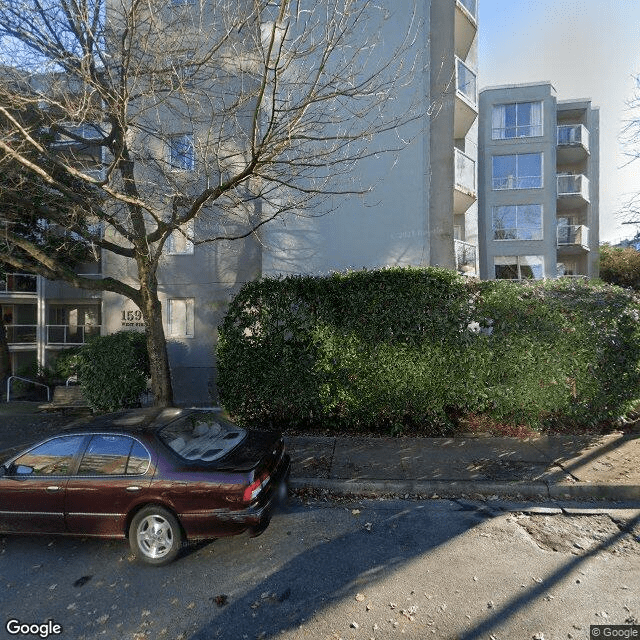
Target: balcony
column 466, row 26
column 465, row 257
column 21, row 334
column 464, row 192
column 64, row 334
column 573, row 190
column 573, row 143
column 466, row 108
column 19, row 283
column 573, row 237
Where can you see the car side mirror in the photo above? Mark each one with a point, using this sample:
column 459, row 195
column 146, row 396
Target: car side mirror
column 23, row 470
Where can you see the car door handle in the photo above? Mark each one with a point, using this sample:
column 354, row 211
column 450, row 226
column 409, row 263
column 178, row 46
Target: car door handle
column 133, row 488
column 52, row 489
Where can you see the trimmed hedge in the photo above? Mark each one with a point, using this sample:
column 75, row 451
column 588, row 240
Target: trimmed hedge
column 406, row 347
column 113, row 370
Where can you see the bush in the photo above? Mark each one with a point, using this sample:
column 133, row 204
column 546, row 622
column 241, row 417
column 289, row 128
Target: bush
column 113, row 370
column 620, row 266
column 403, row 347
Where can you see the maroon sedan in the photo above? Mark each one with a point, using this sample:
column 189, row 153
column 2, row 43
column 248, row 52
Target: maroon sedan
column 156, row 477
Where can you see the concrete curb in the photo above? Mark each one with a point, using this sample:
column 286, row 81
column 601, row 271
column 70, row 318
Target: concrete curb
column 454, row 488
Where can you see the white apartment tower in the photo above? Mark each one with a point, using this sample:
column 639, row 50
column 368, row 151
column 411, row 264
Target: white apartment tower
column 538, row 176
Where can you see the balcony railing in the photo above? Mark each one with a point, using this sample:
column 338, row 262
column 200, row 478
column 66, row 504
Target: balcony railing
column 471, row 6
column 465, row 255
column 573, row 134
column 21, row 333
column 572, row 235
column 67, row 334
column 573, row 185
column 19, row 283
column 465, row 172
column 466, row 83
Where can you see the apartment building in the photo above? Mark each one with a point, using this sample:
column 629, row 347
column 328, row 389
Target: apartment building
column 538, row 177
column 423, row 208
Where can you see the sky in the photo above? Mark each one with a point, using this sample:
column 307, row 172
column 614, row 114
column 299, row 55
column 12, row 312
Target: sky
column 586, row 49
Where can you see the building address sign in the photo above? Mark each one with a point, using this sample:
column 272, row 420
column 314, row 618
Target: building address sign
column 132, row 318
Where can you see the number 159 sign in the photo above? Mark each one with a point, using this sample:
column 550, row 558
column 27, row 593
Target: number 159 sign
column 132, row 318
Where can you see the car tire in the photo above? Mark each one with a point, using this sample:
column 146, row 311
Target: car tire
column 155, row 535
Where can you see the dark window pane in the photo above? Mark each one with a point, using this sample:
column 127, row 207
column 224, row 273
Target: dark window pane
column 106, row 455
column 507, row 271
column 138, row 460
column 51, row 458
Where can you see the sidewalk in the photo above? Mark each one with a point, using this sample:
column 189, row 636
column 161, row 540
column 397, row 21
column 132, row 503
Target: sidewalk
column 543, row 467
column 548, row 467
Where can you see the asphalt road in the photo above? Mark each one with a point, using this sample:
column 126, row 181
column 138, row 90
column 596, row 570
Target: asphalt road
column 330, row 569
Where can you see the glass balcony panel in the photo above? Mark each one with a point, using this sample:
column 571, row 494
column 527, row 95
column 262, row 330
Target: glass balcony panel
column 466, row 83
column 465, row 171
column 21, row 333
column 19, row 283
column 573, row 134
column 471, row 6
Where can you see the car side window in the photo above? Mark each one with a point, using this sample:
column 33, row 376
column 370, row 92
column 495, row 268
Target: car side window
column 106, row 456
column 51, row 458
column 113, row 455
column 139, row 460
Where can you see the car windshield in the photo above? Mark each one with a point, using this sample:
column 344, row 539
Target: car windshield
column 203, row 437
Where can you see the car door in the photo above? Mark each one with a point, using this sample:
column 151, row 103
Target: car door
column 112, row 477
column 32, row 491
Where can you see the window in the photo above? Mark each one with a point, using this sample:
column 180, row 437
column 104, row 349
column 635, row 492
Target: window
column 109, row 455
column 52, row 458
column 180, row 317
column 519, row 267
column 182, row 155
column 517, row 171
column 517, row 222
column 180, row 242
column 518, row 120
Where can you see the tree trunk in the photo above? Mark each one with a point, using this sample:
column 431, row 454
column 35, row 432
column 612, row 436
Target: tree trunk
column 156, row 344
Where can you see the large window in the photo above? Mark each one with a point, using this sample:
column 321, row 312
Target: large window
column 517, row 120
column 182, row 155
column 180, row 242
column 109, row 455
column 517, row 171
column 180, row 317
column 517, row 222
column 519, row 267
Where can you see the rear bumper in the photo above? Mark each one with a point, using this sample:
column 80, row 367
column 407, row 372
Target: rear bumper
column 254, row 518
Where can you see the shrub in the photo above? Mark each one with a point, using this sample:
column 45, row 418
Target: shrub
column 113, row 370
column 620, row 266
column 405, row 347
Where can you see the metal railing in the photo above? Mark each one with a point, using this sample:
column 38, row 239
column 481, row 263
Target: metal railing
column 573, row 234
column 466, row 83
column 573, row 185
column 38, row 384
column 19, row 283
column 465, row 174
column 573, row 134
column 66, row 334
column 21, row 333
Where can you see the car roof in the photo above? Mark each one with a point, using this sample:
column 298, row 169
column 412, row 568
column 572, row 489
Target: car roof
column 131, row 421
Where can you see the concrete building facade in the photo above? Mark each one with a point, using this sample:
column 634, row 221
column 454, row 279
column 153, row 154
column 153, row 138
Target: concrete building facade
column 422, row 211
column 538, row 177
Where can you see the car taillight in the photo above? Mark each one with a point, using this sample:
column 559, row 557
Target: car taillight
column 252, row 491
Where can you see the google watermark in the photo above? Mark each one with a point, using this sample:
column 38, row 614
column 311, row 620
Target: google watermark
column 40, row 629
column 599, row 631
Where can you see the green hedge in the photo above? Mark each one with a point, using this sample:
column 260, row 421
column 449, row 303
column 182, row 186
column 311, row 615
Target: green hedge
column 383, row 350
column 113, row 370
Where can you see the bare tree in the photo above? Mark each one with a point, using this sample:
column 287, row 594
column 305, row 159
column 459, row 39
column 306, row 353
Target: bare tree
column 231, row 112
